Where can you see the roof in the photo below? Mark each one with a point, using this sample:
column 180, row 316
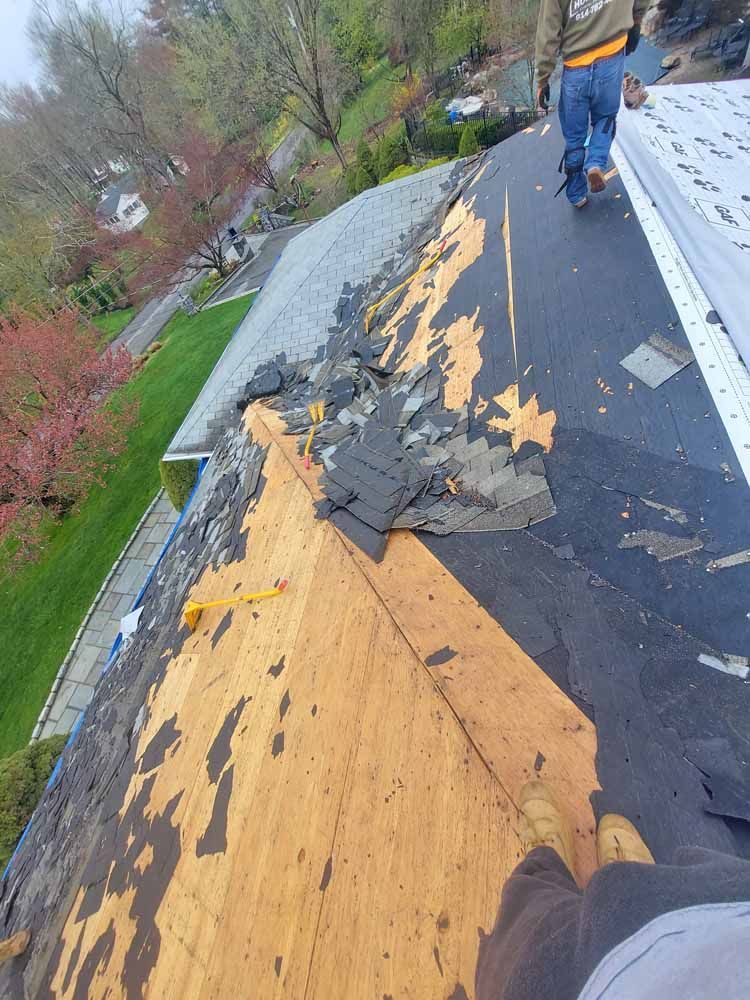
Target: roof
column 110, row 199
column 317, row 793
column 312, row 280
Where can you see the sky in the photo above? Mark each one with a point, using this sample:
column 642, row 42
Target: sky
column 16, row 61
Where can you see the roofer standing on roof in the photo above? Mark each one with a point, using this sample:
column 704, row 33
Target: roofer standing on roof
column 594, row 37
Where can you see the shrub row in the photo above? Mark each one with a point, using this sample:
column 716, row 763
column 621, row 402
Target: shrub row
column 373, row 165
column 178, row 479
column 23, row 776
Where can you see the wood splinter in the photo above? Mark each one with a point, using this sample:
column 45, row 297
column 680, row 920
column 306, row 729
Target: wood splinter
column 14, row 946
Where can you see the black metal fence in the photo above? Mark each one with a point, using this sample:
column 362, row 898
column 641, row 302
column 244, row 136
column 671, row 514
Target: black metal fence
column 442, row 139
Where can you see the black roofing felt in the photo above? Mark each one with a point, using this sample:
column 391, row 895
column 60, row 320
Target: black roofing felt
column 623, row 630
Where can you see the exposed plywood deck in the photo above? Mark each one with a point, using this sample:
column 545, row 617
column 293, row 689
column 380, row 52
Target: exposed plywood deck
column 358, row 853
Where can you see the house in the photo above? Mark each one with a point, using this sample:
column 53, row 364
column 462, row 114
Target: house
column 121, row 207
column 316, row 793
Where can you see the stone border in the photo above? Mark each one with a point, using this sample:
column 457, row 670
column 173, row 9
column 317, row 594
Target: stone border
column 60, row 676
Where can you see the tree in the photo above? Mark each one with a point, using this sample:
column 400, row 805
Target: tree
column 89, row 54
column 299, row 66
column 260, row 171
column 393, row 150
column 514, row 22
column 366, row 162
column 468, row 146
column 190, row 225
column 58, row 436
column 354, row 31
column 219, row 73
column 464, row 28
column 402, row 28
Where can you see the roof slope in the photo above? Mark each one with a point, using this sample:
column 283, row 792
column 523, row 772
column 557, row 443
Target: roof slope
column 308, row 291
column 110, row 199
column 253, row 821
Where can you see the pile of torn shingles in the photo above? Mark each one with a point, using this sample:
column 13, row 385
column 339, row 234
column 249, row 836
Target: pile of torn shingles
column 394, row 459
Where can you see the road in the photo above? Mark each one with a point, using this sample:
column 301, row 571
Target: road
column 147, row 324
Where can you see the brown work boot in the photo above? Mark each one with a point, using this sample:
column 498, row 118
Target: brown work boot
column 542, row 823
column 634, row 94
column 597, row 180
column 618, row 840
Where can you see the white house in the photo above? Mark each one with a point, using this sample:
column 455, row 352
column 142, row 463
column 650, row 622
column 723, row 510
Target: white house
column 121, row 207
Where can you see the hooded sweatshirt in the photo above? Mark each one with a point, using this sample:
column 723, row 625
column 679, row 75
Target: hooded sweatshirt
column 577, row 27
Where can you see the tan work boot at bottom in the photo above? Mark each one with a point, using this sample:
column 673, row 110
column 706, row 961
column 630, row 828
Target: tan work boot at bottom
column 542, row 823
column 597, row 180
column 618, row 840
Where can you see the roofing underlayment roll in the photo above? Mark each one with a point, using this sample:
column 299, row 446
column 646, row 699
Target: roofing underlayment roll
column 691, row 152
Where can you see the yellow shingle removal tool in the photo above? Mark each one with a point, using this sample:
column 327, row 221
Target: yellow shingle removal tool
column 193, row 610
column 317, row 413
column 394, row 291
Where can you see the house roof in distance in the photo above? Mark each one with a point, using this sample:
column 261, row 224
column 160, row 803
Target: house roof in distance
column 110, row 200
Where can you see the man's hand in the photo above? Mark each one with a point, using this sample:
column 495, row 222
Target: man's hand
column 542, row 97
column 634, row 36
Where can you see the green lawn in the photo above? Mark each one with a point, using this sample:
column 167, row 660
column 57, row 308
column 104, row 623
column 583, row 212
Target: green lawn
column 44, row 603
column 372, row 104
column 113, row 323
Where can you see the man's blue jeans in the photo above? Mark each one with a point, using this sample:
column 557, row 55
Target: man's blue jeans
column 589, row 94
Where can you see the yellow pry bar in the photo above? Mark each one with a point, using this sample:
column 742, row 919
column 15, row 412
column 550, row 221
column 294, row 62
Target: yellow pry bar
column 394, row 291
column 317, row 413
column 193, row 609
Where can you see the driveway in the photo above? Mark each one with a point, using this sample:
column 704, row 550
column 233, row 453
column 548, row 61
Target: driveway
column 254, row 273
column 148, row 323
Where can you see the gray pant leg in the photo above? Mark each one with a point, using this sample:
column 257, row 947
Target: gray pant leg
column 549, row 936
column 527, row 956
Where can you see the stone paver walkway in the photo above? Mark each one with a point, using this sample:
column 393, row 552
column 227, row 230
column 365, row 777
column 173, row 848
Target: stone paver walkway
column 74, row 685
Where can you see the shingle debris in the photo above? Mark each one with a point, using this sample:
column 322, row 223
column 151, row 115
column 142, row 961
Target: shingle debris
column 388, row 448
column 656, row 360
column 393, row 455
column 660, row 545
column 269, row 378
column 735, row 559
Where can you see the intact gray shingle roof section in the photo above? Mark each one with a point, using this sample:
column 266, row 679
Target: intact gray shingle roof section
column 298, row 302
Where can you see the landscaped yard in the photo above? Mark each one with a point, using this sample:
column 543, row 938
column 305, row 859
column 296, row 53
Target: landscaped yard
column 44, row 604
column 371, row 105
column 208, row 283
column 113, row 323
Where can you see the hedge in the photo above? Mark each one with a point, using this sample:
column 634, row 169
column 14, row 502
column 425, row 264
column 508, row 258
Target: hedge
column 445, row 139
column 23, row 777
column 393, row 150
column 178, row 479
column 407, row 169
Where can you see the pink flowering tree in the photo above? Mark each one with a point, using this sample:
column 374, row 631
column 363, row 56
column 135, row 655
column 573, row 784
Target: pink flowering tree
column 58, row 433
